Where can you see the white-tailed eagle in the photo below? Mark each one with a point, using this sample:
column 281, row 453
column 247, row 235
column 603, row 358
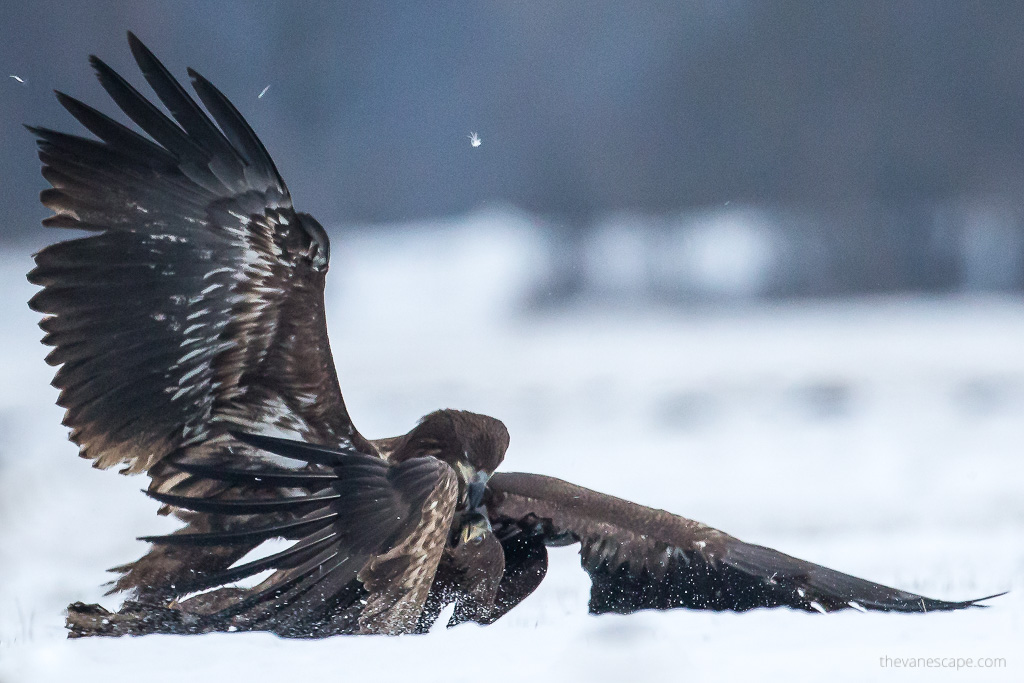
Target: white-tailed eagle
column 191, row 343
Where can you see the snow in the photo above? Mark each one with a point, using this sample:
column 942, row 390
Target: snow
column 877, row 436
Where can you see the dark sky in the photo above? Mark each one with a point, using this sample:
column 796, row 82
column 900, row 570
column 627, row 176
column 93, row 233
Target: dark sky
column 583, row 107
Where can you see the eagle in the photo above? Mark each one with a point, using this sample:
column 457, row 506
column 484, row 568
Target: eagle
column 190, row 338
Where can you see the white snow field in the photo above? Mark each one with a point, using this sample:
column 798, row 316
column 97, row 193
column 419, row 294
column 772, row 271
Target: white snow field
column 881, row 437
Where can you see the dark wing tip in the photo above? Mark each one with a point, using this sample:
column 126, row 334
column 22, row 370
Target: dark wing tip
column 975, row 602
column 98, row 64
column 238, row 131
column 138, row 48
column 67, row 101
column 915, row 604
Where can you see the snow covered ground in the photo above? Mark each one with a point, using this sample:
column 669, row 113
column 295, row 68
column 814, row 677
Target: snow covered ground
column 881, row 437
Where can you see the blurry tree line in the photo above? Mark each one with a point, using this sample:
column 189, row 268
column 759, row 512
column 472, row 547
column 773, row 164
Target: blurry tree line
column 885, row 138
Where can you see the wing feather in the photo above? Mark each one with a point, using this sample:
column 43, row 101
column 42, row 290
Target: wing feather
column 641, row 558
column 372, row 531
column 197, row 307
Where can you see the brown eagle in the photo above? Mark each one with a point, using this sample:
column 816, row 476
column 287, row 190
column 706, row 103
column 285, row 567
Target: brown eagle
column 191, row 342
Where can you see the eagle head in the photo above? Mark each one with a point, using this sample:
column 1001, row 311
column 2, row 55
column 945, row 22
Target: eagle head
column 474, row 446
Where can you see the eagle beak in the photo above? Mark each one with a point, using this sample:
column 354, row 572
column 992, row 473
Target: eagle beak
column 475, row 523
column 475, row 490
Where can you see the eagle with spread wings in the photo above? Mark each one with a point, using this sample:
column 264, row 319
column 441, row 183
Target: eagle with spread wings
column 190, row 336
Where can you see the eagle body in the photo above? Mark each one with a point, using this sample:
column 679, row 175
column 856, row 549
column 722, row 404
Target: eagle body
column 190, row 337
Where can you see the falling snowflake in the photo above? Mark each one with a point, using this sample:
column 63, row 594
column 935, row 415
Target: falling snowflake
column 18, row 78
column 262, row 93
column 474, row 139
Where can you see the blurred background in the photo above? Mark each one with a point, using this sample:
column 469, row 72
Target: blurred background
column 727, row 149
column 757, row 263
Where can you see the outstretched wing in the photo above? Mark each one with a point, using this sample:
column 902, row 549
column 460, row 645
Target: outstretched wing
column 368, row 539
column 641, row 558
column 197, row 307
